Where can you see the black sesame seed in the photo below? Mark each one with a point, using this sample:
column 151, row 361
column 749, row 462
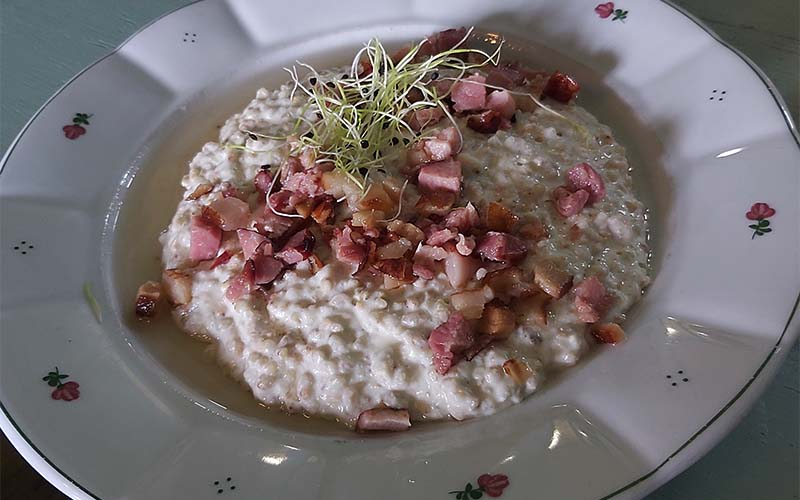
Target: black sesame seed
column 363, row 170
column 253, row 136
column 669, row 376
column 405, row 141
column 266, row 166
column 24, row 252
column 674, row 384
column 216, row 483
column 16, row 248
column 514, row 118
column 395, row 141
column 219, row 492
column 228, row 479
column 686, row 380
column 680, row 371
column 365, row 144
column 330, row 84
column 385, row 125
column 435, row 75
column 344, row 76
column 312, row 80
column 23, row 242
column 233, row 487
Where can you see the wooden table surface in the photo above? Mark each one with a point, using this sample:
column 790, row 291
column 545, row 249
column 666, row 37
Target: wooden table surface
column 44, row 42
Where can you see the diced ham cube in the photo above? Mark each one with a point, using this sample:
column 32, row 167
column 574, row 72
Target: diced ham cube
column 426, row 117
column 263, row 181
column 406, row 230
column 228, row 214
column 570, row 203
column 508, row 283
column 446, row 40
column 469, row 94
column 561, row 87
column 307, row 183
column 607, row 333
column 499, row 218
column 299, row 247
column 393, row 250
column 425, row 259
column 346, row 249
column 265, row 269
column 429, row 150
column 459, row 268
column 323, row 211
column 383, row 419
column 591, row 300
column 435, row 203
column 399, row 269
column 551, row 279
column 533, row 308
column 438, row 237
column 243, row 283
column 497, row 321
column 250, row 241
column 506, row 76
column 440, row 176
column 502, row 102
column 221, row 259
column 488, row 122
column 449, row 341
column 273, row 224
column 205, row 239
column 501, row 247
column 533, row 231
column 519, row 371
column 583, row 176
column 462, row 219
column 470, row 303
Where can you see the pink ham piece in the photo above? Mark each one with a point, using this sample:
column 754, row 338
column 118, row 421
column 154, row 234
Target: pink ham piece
column 568, row 203
column 307, row 183
column 241, row 284
column 487, row 122
column 445, row 144
column 228, row 190
column 205, row 239
column 263, row 181
column 249, row 241
column 469, row 94
column 425, row 260
column 501, row 247
column 422, row 118
column 383, row 419
column 459, row 268
column 438, row 237
column 273, row 224
column 346, row 248
column 583, row 176
column 465, row 244
column 449, row 341
column 440, row 176
column 228, row 214
column 462, row 219
column 506, row 76
column 591, row 300
column 502, row 102
column 221, row 259
column 561, row 87
column 265, row 269
column 299, row 247
column 446, row 40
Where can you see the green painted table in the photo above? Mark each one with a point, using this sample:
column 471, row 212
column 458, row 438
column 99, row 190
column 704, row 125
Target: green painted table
column 44, row 42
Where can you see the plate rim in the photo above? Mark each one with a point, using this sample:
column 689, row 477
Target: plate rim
column 646, row 483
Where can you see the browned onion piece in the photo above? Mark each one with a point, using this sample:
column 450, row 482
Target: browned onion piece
column 147, row 297
column 607, row 333
column 383, row 419
column 178, row 286
column 551, row 279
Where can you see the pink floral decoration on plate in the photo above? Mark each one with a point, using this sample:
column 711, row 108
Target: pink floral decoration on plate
column 66, row 391
column 77, row 128
column 606, row 10
column 491, row 484
column 760, row 212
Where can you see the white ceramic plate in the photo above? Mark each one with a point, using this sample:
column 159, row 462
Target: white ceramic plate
column 140, row 414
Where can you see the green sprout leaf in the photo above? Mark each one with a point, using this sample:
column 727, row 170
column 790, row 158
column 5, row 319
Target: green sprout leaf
column 92, row 301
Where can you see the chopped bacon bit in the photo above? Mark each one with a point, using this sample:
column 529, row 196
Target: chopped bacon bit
column 519, row 371
column 280, row 201
column 437, row 203
column 591, row 300
column 561, row 87
column 533, row 308
column 501, row 247
column 298, row 248
column 574, row 233
column 469, row 94
column 452, row 136
column 383, row 419
column 348, row 249
column 459, row 268
column 308, row 158
column 422, row 118
column 497, row 321
column 440, row 176
column 178, row 286
column 570, row 203
column 147, row 297
column 438, row 237
column 406, row 230
column 449, row 341
column 551, row 279
column 306, row 183
column 607, row 333
column 265, row 269
column 502, row 102
column 487, row 122
column 583, row 176
column 323, row 211
column 199, row 191
column 304, row 208
column 263, row 181
column 205, row 239
column 470, row 302
column 425, row 259
column 462, row 218
column 465, row 244
column 499, row 218
column 507, row 76
column 338, row 185
column 427, row 150
column 399, row 269
column 221, row 259
column 243, row 283
column 533, row 231
column 273, row 224
column 445, row 40
column 290, row 166
column 376, row 198
column 508, row 283
column 228, row 213
column 393, row 250
column 250, row 241
column 228, row 190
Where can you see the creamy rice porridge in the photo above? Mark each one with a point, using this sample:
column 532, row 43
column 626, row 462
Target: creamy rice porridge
column 494, row 237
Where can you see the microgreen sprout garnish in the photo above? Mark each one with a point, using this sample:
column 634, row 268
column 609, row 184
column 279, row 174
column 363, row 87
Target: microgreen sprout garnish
column 92, row 301
column 359, row 113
